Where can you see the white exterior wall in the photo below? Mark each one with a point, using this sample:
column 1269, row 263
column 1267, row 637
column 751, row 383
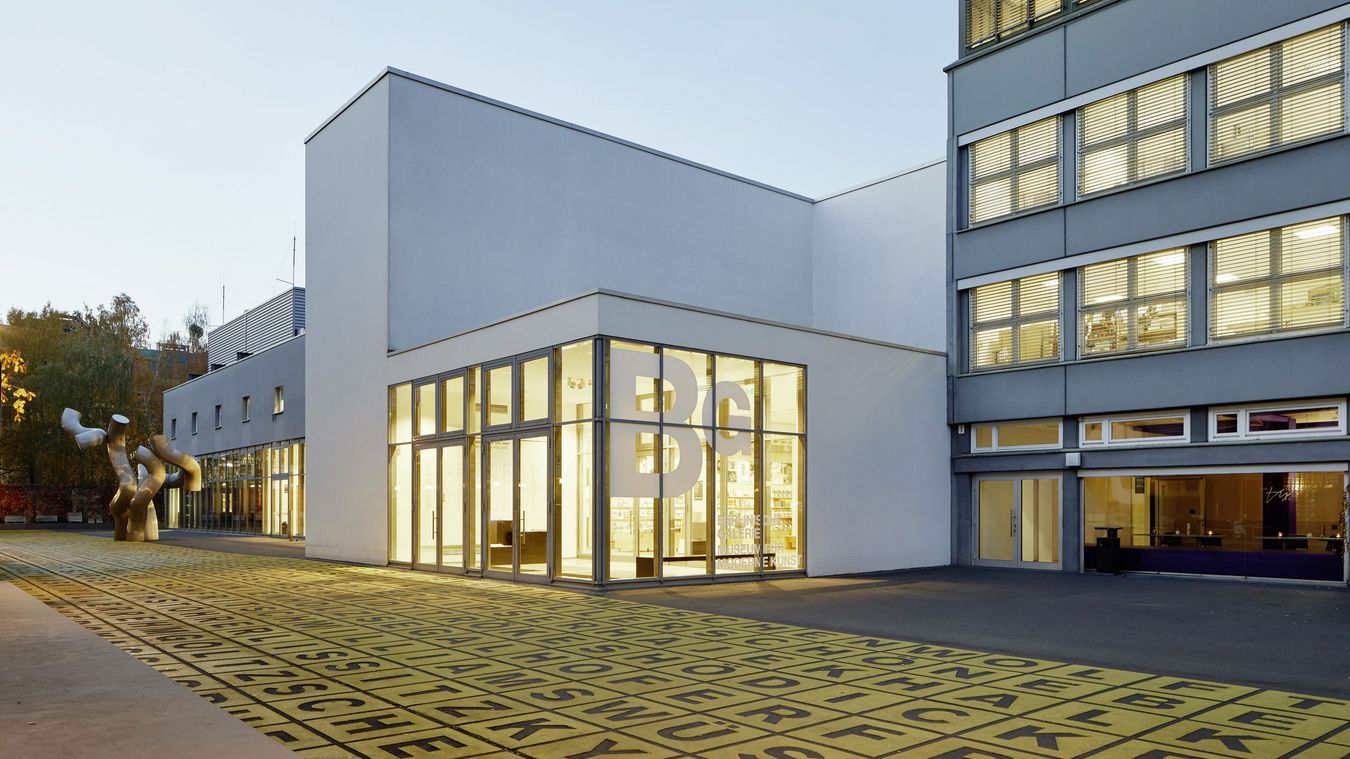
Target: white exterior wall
column 877, row 484
column 878, row 259
column 494, row 211
column 346, row 219
column 431, row 212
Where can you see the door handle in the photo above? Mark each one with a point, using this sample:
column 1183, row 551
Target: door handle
column 1012, row 525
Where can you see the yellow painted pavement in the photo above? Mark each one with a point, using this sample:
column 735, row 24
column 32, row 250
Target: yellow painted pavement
column 337, row 661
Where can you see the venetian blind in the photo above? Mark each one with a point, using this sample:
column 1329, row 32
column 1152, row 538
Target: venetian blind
column 1278, row 95
column 991, row 20
column 1136, row 303
column 1015, row 170
column 1015, row 322
column 1132, row 136
column 1279, row 280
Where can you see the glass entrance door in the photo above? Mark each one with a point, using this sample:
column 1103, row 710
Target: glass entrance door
column 516, row 511
column 1017, row 521
column 425, row 551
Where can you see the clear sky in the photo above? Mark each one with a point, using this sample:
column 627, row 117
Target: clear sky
column 156, row 148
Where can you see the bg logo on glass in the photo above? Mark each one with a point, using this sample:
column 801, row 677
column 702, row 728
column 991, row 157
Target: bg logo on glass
column 626, row 367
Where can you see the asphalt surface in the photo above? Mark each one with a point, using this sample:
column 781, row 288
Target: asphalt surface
column 1289, row 637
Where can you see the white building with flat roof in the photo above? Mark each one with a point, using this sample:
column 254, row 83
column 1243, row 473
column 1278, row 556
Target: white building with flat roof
column 538, row 352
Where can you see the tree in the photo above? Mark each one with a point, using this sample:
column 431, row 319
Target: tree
column 13, row 398
column 196, row 321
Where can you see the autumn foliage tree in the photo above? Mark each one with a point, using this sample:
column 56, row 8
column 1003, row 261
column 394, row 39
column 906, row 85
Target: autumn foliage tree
column 99, row 360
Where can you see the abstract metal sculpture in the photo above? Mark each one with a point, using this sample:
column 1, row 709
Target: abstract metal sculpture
column 133, row 516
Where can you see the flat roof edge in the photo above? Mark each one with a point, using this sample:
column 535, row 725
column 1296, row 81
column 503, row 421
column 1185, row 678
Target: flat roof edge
column 235, row 363
column 879, row 180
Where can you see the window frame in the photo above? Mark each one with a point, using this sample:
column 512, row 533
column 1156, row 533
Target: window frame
column 1014, row 172
column 194, row 422
column 1275, row 95
column 1107, row 420
column 1132, row 137
column 996, row 447
column 245, row 408
column 278, row 400
column 1131, row 302
column 1030, row 22
column 1244, row 412
column 1274, row 283
column 1013, row 322
column 173, row 428
column 219, row 415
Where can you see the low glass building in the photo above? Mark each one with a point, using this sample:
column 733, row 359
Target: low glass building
column 258, row 490
column 601, row 461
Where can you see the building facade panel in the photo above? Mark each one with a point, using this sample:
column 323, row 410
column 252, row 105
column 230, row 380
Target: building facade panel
column 1007, row 244
column 1014, row 80
column 1019, row 394
column 533, row 211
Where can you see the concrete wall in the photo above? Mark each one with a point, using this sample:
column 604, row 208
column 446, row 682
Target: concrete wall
column 494, row 211
column 877, row 268
column 346, row 218
column 256, row 376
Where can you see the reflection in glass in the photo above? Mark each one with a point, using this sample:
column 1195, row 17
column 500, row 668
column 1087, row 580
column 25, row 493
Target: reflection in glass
column 501, row 505
column 533, row 487
column 784, row 393
column 672, row 407
column 996, row 520
column 426, row 505
column 576, row 394
column 426, row 409
column 534, row 389
column 1040, row 521
column 473, row 559
column 738, row 525
column 473, row 390
column 452, row 404
column 499, row 395
column 400, row 413
column 632, row 534
column 575, row 502
column 684, row 540
column 736, row 413
column 784, row 458
column 400, row 503
column 452, row 506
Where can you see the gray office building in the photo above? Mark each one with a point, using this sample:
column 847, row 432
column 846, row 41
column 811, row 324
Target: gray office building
column 1147, row 205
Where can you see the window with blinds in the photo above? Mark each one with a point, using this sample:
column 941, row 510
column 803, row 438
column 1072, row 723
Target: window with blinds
column 1132, row 136
column 1279, row 95
column 1278, row 280
column 992, row 20
column 1015, row 171
column 1130, row 304
column 1015, row 322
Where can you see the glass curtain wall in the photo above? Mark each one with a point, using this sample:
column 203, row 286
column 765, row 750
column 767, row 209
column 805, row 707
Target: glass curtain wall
column 258, row 490
column 1259, row 524
column 703, row 465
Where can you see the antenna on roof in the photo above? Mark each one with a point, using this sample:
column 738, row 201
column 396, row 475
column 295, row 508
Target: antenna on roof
column 292, row 282
column 222, row 304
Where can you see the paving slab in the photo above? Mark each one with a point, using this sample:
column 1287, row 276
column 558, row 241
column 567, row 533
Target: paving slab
column 65, row 692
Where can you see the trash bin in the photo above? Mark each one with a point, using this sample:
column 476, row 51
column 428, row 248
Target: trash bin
column 1108, row 551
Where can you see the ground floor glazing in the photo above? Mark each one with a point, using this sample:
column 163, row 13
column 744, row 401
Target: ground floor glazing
column 1280, row 524
column 601, row 461
column 259, row 490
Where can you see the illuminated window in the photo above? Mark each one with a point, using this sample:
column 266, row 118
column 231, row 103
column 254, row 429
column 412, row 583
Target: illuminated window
column 1287, row 279
column 1279, row 95
column 1308, row 418
column 425, row 418
column 1147, row 429
column 1015, row 322
column 992, row 20
column 1015, row 171
column 1136, row 303
column 1133, row 136
column 1030, row 433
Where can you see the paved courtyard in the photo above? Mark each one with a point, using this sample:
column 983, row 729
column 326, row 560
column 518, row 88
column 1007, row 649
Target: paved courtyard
column 335, row 660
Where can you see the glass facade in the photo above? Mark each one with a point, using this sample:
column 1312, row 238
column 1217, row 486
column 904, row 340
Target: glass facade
column 258, row 490
column 1259, row 524
column 601, row 461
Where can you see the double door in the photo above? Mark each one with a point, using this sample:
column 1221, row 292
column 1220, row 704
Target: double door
column 514, row 518
column 1017, row 521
